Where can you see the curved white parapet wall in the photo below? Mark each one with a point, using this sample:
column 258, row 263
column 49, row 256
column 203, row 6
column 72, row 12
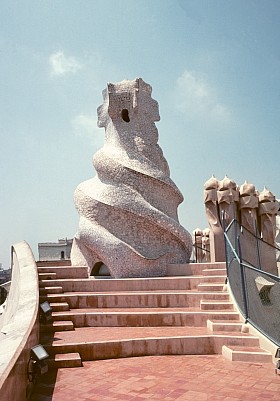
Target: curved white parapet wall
column 6, row 287
column 19, row 328
column 128, row 211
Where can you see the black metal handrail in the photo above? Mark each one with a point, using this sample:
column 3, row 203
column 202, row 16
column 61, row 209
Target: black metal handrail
column 200, row 247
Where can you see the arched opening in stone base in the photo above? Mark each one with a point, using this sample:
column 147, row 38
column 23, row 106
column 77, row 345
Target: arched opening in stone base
column 100, row 269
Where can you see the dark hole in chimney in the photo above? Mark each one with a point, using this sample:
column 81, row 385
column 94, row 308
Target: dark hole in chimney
column 125, row 115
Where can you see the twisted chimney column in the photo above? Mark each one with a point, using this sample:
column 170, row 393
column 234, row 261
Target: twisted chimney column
column 128, row 211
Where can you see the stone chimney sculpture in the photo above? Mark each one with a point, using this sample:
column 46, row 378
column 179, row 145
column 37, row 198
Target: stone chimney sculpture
column 267, row 211
column 228, row 196
column 216, row 236
column 128, row 211
column 256, row 213
column 248, row 207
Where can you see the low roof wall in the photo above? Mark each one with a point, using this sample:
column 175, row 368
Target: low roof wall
column 19, row 327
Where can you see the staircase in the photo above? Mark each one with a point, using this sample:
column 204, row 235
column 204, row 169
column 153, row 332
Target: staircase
column 187, row 312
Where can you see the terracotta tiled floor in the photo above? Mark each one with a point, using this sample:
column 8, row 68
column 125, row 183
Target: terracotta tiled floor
column 168, row 378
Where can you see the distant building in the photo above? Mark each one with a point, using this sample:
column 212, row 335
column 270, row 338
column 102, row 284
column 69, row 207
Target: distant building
column 55, row 250
column 5, row 275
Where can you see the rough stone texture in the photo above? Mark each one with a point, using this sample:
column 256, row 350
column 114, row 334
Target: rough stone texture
column 255, row 211
column 128, row 211
column 248, row 207
column 228, row 197
column 217, row 249
column 268, row 209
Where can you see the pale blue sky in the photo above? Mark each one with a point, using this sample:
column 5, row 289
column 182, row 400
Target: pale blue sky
column 215, row 70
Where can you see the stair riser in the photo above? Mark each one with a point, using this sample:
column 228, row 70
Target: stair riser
column 50, row 290
column 47, row 276
column 209, row 265
column 65, row 361
column 54, row 263
column 209, row 287
column 213, row 279
column 221, row 340
column 213, row 272
column 141, row 347
column 58, row 308
column 91, row 285
column 138, row 320
column 136, row 300
column 211, row 307
column 64, row 364
column 191, row 269
column 53, row 329
column 252, row 357
column 236, row 328
column 65, row 272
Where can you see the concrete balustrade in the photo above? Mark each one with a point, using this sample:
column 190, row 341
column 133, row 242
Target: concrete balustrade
column 19, row 326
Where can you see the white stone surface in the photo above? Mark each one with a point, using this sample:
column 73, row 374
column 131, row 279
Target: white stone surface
column 19, row 329
column 129, row 209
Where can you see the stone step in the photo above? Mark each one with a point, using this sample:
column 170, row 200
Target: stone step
column 47, row 276
column 162, row 299
column 51, row 290
column 214, row 272
column 216, row 305
column 129, row 284
column 65, row 271
column 189, row 269
column 101, row 343
column 205, row 287
column 213, row 279
column 57, row 325
column 186, row 269
column 49, row 263
column 142, row 317
column 67, row 360
column 59, row 306
column 246, row 354
column 223, row 325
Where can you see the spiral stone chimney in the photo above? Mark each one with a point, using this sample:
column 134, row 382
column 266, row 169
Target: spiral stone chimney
column 128, row 211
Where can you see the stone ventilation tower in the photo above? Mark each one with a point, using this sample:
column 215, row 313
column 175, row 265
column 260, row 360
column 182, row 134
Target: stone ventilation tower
column 216, row 236
column 248, row 205
column 128, row 211
column 255, row 211
column 268, row 209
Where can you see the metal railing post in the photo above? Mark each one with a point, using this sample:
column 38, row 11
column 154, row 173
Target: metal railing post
column 257, row 247
column 243, row 284
column 195, row 244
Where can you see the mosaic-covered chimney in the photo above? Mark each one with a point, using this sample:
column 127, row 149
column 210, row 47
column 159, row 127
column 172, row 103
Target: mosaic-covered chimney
column 128, row 211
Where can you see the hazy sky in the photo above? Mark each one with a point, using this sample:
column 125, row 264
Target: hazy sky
column 215, row 70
